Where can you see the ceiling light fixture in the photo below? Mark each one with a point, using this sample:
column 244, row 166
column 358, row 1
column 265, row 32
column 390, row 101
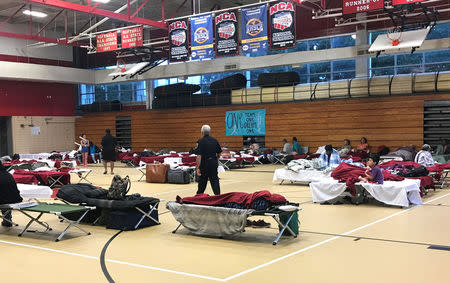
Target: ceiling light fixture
column 35, row 14
column 101, row 1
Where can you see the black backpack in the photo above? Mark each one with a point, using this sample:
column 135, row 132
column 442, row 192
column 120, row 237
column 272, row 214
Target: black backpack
column 416, row 172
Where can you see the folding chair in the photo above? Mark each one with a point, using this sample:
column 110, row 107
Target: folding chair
column 82, row 174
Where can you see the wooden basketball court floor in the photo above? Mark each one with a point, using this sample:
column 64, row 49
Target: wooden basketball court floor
column 337, row 243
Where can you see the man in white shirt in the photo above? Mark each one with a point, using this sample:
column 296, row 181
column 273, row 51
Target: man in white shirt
column 424, row 156
column 286, row 147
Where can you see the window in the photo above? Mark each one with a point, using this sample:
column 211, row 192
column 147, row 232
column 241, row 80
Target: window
column 124, row 92
column 319, row 44
column 439, row 31
column 344, row 69
column 342, row 41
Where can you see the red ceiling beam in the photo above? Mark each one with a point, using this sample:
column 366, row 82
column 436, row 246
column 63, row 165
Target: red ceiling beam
column 49, row 22
column 99, row 12
column 140, row 7
column 12, row 16
column 178, row 9
column 37, row 38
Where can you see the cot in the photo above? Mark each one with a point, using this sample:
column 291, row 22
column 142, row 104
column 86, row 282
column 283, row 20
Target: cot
column 82, row 174
column 222, row 221
column 57, row 209
column 397, row 193
column 303, row 176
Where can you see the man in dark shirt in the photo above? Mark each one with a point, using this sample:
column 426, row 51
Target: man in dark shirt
column 8, row 194
column 208, row 150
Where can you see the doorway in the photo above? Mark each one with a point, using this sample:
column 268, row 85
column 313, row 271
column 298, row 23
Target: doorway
column 5, row 136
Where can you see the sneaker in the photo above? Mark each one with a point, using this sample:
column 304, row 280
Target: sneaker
column 260, row 224
column 6, row 224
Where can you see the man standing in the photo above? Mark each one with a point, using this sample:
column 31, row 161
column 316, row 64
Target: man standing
column 109, row 144
column 208, row 150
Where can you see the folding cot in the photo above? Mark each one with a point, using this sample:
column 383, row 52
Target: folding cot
column 86, row 194
column 49, row 178
column 222, row 221
column 397, row 193
column 42, row 208
column 303, row 176
column 82, row 174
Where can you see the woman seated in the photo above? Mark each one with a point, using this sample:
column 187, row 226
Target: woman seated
column 343, row 151
column 363, row 146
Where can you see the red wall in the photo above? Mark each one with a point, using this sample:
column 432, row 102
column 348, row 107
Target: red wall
column 36, row 99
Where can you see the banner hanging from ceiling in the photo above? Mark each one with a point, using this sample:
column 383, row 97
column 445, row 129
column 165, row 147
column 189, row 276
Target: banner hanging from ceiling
column 359, row 6
column 202, row 42
column 178, row 40
column 254, row 29
column 107, row 41
column 227, row 35
column 131, row 37
column 245, row 122
column 282, row 25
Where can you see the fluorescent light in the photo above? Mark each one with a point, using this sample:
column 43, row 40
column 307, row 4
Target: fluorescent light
column 35, row 13
column 354, row 36
column 101, row 1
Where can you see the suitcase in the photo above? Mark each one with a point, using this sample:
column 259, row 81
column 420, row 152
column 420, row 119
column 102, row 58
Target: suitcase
column 156, row 173
column 178, row 176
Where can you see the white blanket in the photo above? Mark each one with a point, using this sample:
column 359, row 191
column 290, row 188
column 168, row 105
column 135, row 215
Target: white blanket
column 34, row 191
column 300, row 176
column 391, row 192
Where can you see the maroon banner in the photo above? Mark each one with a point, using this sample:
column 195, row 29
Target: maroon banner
column 402, row 2
column 131, row 37
column 107, row 41
column 359, row 6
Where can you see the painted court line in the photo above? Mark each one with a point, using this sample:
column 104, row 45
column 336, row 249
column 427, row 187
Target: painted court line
column 326, row 241
column 214, row 278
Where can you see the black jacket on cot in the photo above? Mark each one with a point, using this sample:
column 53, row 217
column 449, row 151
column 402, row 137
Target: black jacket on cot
column 8, row 188
column 208, row 147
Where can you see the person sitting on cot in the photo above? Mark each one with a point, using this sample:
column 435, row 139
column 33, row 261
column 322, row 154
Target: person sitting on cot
column 329, row 157
column 8, row 194
column 373, row 172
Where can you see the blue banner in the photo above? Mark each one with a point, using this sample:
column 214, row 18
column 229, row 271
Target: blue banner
column 246, row 122
column 202, row 41
column 254, row 29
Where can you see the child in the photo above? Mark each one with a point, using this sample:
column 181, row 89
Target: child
column 373, row 172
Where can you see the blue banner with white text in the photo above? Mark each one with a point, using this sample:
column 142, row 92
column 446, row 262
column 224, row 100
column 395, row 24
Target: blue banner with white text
column 254, row 29
column 202, row 41
column 246, row 122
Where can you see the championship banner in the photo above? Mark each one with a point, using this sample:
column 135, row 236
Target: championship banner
column 403, row 2
column 282, row 25
column 178, row 40
column 359, row 6
column 202, row 42
column 227, row 35
column 107, row 41
column 254, row 29
column 246, row 122
column 131, row 37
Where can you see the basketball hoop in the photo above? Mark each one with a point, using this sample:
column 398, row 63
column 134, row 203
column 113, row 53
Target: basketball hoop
column 395, row 35
column 121, row 65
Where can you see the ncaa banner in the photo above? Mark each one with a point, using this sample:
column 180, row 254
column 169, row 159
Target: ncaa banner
column 254, row 29
column 226, row 28
column 178, row 40
column 202, row 42
column 282, row 25
column 245, row 122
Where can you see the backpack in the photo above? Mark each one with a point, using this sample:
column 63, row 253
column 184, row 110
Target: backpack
column 119, row 188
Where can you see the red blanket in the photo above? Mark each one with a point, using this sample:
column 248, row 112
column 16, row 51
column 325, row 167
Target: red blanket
column 25, row 179
column 438, row 167
column 43, row 176
column 241, row 198
column 349, row 174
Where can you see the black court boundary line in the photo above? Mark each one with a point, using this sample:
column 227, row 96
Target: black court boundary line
column 441, row 205
column 357, row 238
column 102, row 258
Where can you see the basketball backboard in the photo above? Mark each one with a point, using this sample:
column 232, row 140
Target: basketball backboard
column 408, row 40
column 130, row 70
